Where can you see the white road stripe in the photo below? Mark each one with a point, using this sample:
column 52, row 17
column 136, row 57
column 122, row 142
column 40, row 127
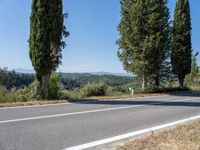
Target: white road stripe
column 131, row 134
column 90, row 111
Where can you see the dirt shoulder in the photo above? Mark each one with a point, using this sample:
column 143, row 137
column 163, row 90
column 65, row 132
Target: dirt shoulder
column 31, row 103
column 125, row 96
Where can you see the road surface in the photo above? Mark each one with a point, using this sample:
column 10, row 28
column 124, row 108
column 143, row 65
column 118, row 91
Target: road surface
column 62, row 126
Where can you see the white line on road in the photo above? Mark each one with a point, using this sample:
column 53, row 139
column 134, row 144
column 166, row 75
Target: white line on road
column 92, row 111
column 131, row 134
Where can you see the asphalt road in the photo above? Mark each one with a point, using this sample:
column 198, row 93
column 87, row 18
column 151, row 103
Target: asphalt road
column 57, row 127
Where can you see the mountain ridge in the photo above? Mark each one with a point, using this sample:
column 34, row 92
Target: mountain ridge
column 29, row 71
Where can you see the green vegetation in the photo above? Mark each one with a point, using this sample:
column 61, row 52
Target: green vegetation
column 11, row 79
column 25, row 87
column 159, row 55
column 19, row 95
column 85, row 85
column 94, row 90
column 181, row 44
column 77, row 80
column 54, row 86
column 145, row 38
column 45, row 43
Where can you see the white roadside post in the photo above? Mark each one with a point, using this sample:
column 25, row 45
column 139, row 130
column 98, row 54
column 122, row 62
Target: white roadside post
column 131, row 90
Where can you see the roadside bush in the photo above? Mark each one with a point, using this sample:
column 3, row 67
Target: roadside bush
column 19, row 95
column 94, row 90
column 13, row 95
column 54, row 86
column 3, row 94
column 117, row 91
column 70, row 95
column 64, row 94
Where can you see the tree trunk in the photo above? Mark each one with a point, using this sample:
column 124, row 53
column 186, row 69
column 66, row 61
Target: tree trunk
column 144, row 83
column 181, row 81
column 157, row 81
column 45, row 83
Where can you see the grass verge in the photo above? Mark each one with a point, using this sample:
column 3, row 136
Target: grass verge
column 30, row 103
column 183, row 137
column 125, row 96
column 44, row 102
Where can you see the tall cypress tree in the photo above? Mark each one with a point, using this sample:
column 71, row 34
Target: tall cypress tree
column 145, row 33
column 45, row 42
column 132, row 33
column 181, row 55
column 157, row 41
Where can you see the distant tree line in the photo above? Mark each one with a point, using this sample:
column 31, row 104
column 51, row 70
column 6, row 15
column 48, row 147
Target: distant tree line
column 71, row 81
column 11, row 79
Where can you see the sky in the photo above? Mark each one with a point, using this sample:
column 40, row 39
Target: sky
column 93, row 33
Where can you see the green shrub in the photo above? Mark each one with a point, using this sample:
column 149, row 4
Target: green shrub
column 19, row 95
column 70, row 95
column 94, row 90
column 117, row 91
column 3, row 94
column 64, row 94
column 54, row 86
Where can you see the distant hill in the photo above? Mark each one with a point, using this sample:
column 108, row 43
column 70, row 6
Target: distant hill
column 95, row 74
column 76, row 80
column 108, row 73
column 22, row 70
column 71, row 80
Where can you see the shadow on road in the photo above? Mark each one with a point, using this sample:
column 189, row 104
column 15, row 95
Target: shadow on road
column 135, row 102
column 185, row 94
column 173, row 102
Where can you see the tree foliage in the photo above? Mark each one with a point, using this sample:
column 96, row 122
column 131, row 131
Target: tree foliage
column 12, row 79
column 46, row 33
column 144, row 36
column 181, row 46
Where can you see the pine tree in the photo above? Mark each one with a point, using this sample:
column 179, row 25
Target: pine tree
column 181, row 46
column 144, row 41
column 45, row 42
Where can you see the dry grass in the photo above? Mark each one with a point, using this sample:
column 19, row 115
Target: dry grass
column 183, row 137
column 124, row 96
column 44, row 102
column 195, row 88
column 31, row 103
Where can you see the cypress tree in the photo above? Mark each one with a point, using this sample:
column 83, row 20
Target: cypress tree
column 157, row 41
column 132, row 32
column 181, row 55
column 144, row 37
column 45, row 42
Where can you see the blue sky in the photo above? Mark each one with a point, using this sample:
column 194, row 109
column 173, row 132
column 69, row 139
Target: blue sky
column 93, row 28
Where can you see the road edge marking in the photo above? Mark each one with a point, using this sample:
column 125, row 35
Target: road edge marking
column 131, row 134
